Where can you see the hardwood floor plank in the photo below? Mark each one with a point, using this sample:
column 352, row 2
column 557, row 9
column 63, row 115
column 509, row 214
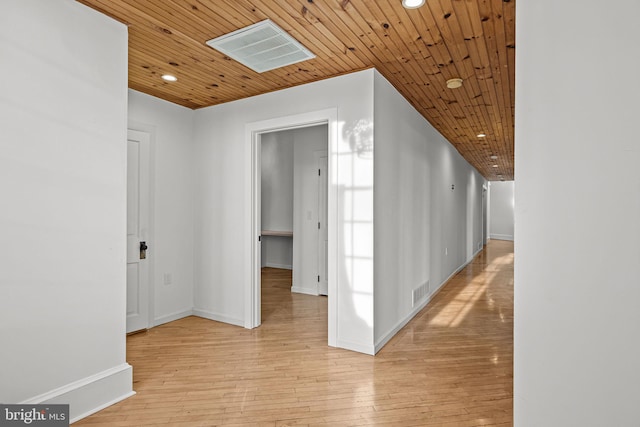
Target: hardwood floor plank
column 452, row 365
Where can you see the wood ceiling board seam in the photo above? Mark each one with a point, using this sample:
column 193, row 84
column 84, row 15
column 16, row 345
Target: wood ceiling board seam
column 466, row 19
column 227, row 69
column 384, row 68
column 440, row 56
column 288, row 14
column 149, row 47
column 493, row 45
column 375, row 15
column 453, row 49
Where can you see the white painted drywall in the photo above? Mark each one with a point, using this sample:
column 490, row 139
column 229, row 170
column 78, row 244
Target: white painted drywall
column 417, row 216
column 222, row 156
column 172, row 247
column 501, row 219
column 576, row 348
column 277, row 181
column 307, row 141
column 277, row 198
column 63, row 114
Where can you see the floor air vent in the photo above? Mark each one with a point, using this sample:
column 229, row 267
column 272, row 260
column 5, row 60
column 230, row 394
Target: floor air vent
column 420, row 293
column 262, row 47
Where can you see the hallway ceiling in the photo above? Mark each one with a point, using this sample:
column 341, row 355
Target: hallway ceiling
column 417, row 50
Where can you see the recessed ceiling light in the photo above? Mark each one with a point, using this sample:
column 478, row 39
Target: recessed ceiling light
column 494, row 157
column 494, row 166
column 169, row 78
column 454, row 83
column 412, row 4
column 481, row 135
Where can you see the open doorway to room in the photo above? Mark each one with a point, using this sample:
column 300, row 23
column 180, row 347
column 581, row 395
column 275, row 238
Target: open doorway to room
column 291, row 236
column 293, row 218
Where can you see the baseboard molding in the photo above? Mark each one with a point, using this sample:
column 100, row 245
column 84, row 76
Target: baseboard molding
column 402, row 323
column 360, row 348
column 280, row 266
column 218, row 317
column 307, row 291
column 173, row 316
column 501, row 237
column 91, row 394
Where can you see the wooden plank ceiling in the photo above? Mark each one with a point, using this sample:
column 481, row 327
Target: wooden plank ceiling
column 417, row 50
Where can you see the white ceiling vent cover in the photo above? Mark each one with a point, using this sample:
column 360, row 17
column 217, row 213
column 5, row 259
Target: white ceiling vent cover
column 262, row 47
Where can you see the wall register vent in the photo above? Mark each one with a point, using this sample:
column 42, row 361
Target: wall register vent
column 419, row 293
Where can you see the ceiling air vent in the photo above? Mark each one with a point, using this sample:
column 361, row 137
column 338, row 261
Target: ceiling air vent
column 262, row 47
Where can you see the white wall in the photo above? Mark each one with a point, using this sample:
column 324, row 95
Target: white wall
column 424, row 230
column 307, row 141
column 277, row 181
column 277, row 198
column 501, row 210
column 222, row 265
column 172, row 247
column 63, row 113
column 577, row 353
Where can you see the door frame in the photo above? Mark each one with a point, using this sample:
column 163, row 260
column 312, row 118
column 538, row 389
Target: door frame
column 322, row 216
column 252, row 300
column 150, row 135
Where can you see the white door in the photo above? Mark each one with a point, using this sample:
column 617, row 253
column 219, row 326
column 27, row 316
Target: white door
column 323, row 235
column 137, row 231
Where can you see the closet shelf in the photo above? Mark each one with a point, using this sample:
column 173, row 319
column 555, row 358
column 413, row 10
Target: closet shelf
column 277, row 233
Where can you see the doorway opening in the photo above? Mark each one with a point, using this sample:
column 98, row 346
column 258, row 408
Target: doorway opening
column 295, row 227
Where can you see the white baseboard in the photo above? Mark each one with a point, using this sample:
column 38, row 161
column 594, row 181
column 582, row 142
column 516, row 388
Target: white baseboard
column 91, row 394
column 501, row 237
column 360, row 348
column 280, row 266
column 402, row 323
column 218, row 317
column 171, row 317
column 307, row 291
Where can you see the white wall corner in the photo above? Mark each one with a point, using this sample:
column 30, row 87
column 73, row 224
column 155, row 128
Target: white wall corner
column 305, row 290
column 357, row 347
column 218, row 317
column 501, row 237
column 172, row 317
column 91, row 394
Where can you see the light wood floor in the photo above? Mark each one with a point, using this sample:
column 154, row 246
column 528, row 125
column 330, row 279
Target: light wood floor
column 451, row 366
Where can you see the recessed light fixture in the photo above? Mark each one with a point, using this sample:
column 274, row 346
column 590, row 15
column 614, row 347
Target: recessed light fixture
column 169, row 78
column 494, row 166
column 481, row 135
column 412, row 4
column 494, row 157
column 454, row 83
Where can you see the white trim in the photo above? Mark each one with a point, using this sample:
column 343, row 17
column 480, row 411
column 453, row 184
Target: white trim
column 91, row 394
column 100, row 408
column 501, row 237
column 252, row 219
column 172, row 317
column 403, row 322
column 280, row 266
column 360, row 348
column 151, row 239
column 217, row 317
column 307, row 291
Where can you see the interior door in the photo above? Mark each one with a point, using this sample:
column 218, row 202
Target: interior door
column 138, row 251
column 323, row 235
